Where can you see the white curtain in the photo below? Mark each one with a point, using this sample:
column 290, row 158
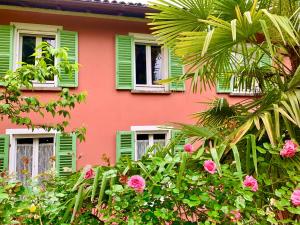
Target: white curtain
column 142, row 146
column 162, row 142
column 45, row 153
column 158, row 72
column 24, row 161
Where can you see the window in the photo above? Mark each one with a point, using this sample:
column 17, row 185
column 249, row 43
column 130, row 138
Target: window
column 147, row 140
column 148, row 66
column 28, row 43
column 247, row 87
column 232, row 84
column 28, row 153
column 141, row 63
column 133, row 144
column 33, row 156
column 27, row 38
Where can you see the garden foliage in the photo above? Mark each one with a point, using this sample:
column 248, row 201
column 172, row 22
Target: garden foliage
column 241, row 165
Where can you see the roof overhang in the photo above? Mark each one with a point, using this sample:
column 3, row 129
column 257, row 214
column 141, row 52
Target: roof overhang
column 113, row 8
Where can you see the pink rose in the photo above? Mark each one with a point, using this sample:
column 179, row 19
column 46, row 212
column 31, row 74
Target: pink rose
column 236, row 215
column 295, row 198
column 251, row 182
column 137, row 183
column 289, row 149
column 88, row 172
column 210, row 166
column 189, row 148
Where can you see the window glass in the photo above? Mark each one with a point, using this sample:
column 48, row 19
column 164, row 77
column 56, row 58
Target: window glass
column 140, row 64
column 24, row 159
column 144, row 141
column 45, row 161
column 33, row 153
column 159, row 139
column 156, row 64
column 142, row 144
column 29, row 43
column 28, row 48
column 51, row 41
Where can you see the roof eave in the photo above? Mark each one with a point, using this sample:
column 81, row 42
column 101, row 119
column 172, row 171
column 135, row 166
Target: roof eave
column 85, row 6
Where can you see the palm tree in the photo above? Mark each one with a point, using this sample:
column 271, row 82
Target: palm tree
column 225, row 38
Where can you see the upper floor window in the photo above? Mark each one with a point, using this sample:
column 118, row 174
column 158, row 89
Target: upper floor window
column 150, row 64
column 27, row 38
column 234, row 85
column 141, row 63
column 19, row 40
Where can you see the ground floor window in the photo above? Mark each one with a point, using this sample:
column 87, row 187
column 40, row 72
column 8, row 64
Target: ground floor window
column 33, row 156
column 146, row 140
column 146, row 137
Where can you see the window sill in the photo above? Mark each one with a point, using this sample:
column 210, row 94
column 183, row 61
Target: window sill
column 244, row 94
column 151, row 92
column 42, row 89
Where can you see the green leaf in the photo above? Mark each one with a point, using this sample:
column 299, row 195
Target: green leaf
column 215, row 157
column 237, row 161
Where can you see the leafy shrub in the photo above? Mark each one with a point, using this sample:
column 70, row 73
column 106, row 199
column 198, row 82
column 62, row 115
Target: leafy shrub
column 179, row 190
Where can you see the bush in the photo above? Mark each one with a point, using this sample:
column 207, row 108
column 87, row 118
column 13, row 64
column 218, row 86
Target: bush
column 188, row 188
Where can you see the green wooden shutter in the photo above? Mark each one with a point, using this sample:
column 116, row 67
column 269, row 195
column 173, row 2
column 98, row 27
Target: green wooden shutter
column 265, row 61
column 124, row 61
column 223, row 83
column 179, row 139
column 4, row 146
column 65, row 154
column 175, row 70
column 125, row 145
column 6, row 48
column 69, row 40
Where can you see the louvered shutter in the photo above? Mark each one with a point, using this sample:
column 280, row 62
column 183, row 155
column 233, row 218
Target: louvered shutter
column 223, row 83
column 6, row 48
column 265, row 61
column 175, row 70
column 125, row 145
column 69, row 40
column 4, row 146
column 65, row 154
column 124, row 60
column 179, row 139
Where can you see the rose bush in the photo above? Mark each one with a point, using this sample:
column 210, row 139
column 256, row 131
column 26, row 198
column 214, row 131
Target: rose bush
column 191, row 188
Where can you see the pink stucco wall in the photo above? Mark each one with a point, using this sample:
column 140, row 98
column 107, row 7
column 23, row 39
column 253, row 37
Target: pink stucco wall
column 108, row 110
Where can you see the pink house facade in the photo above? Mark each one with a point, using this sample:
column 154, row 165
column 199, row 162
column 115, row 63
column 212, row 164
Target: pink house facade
column 125, row 111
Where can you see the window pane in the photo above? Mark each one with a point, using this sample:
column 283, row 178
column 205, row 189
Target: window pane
column 156, row 63
column 50, row 40
column 28, row 49
column 159, row 139
column 142, row 144
column 140, row 64
column 50, row 60
column 46, row 140
column 46, row 154
column 24, row 159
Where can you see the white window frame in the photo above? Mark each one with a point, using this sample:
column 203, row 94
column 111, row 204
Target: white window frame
column 35, row 134
column 243, row 91
column 150, row 130
column 149, row 40
column 38, row 30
